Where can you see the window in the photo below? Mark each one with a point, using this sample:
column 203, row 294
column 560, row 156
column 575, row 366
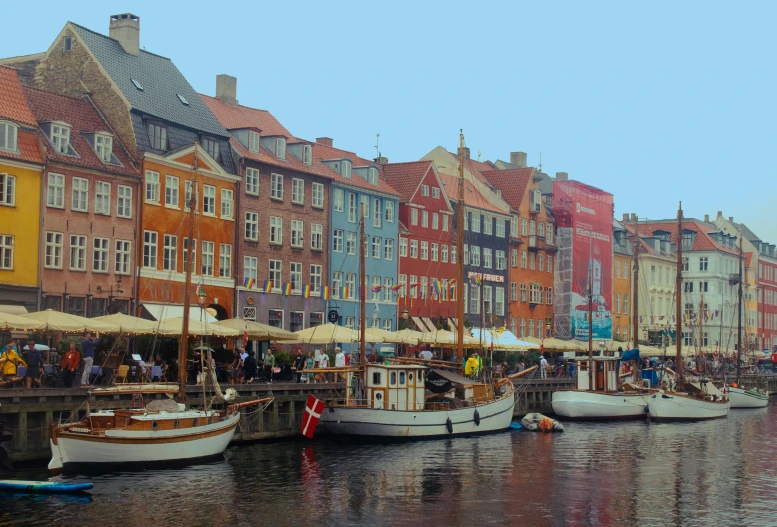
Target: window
column 514, row 257
column 157, row 135
column 388, row 249
column 276, row 272
column 499, row 302
column 444, row 254
column 617, row 302
column 541, row 230
column 688, row 287
column 487, row 260
column 276, row 186
column 337, row 241
column 280, row 148
column 350, row 283
column 295, row 276
column 435, row 221
column 424, row 218
column 424, row 250
column 541, row 262
column 424, row 190
column 535, row 293
column 77, row 252
column 315, row 278
column 55, row 193
column 337, row 283
column 212, row 147
column 685, row 264
column 532, row 227
column 54, row 248
column 435, row 252
column 276, row 230
column 513, row 292
column 60, row 137
column 253, row 141
column 377, row 244
column 523, row 327
column 316, row 236
column 209, row 200
column 307, row 154
column 152, row 186
column 388, row 283
column 501, row 261
column 171, row 191
column 531, row 327
column 298, row 191
column 170, row 253
column 208, row 248
column 378, row 215
column 227, row 203
column 523, row 292
column 413, row 248
column 549, row 233
column 351, row 207
column 474, row 225
column 389, row 211
column 275, row 318
column 445, row 223
column 424, row 287
column 703, row 287
column 435, row 193
column 80, row 194
column 123, row 256
column 488, row 224
column 317, row 195
column 252, row 226
column 375, row 289
column 364, row 204
column 6, row 251
column 296, row 320
column 252, row 181
column 182, row 99
column 350, row 245
column 524, row 224
column 413, row 217
column 225, row 260
column 514, row 226
column 297, row 232
column 532, row 261
column 500, row 228
column 186, row 255
column 475, row 255
column 250, row 264
column 402, row 247
column 474, row 300
column 453, row 254
column 7, row 190
column 124, row 202
column 339, row 201
column 100, row 255
column 523, row 259
column 550, row 264
column 466, row 254
column 625, row 303
column 487, row 304
column 703, row 263
column 8, row 133
column 103, row 147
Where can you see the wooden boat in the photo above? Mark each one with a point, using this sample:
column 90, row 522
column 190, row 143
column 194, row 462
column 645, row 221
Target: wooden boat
column 43, row 487
column 742, row 398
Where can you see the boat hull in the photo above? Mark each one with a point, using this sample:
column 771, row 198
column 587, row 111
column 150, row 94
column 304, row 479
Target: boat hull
column 43, row 487
column 747, row 398
column 574, row 404
column 116, row 447
column 674, row 407
column 381, row 423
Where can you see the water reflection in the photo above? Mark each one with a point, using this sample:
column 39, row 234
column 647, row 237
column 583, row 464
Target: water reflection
column 594, row 474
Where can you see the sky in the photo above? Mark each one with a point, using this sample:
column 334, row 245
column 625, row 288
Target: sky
column 655, row 102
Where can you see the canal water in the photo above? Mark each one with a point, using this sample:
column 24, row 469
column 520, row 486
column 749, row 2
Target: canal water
column 720, row 473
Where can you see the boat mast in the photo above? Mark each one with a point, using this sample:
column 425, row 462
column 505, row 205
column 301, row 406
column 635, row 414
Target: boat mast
column 739, row 314
column 678, row 302
column 590, row 325
column 635, row 288
column 701, row 335
column 363, row 302
column 459, row 353
column 183, row 348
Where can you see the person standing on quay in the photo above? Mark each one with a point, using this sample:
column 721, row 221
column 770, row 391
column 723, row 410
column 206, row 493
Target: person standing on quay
column 88, row 345
column 269, row 364
column 339, row 361
column 543, row 367
column 299, row 364
column 34, row 364
column 70, row 363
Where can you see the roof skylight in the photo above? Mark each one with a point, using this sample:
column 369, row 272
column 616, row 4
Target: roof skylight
column 137, row 84
column 182, row 99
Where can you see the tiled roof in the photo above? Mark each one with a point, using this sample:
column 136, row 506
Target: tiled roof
column 238, row 117
column 83, row 119
column 472, row 198
column 13, row 106
column 703, row 241
column 746, row 232
column 162, row 82
column 323, row 153
column 406, row 177
column 511, row 183
column 475, row 167
column 29, row 149
column 290, row 163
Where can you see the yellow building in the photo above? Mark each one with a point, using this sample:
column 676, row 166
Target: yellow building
column 21, row 166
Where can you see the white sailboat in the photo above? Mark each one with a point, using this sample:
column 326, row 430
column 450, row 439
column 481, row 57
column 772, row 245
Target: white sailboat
column 390, row 400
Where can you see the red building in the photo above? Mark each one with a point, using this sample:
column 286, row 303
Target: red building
column 767, row 297
column 426, row 242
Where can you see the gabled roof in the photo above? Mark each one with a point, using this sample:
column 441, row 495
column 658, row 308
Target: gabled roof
column 240, row 117
column 703, row 241
column 161, row 80
column 407, row 177
column 83, row 118
column 290, row 162
column 325, row 153
column 512, row 183
column 472, row 198
column 13, row 105
column 746, row 232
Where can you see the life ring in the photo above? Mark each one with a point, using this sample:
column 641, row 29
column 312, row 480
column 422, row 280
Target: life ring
column 477, row 418
column 449, row 425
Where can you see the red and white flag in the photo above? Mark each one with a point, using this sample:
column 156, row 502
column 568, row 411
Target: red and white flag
column 313, row 409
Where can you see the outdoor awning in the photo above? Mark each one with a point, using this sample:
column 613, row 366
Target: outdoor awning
column 504, row 340
column 12, row 309
column 163, row 311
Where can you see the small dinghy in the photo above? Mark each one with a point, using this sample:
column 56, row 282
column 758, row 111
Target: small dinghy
column 536, row 422
column 43, row 487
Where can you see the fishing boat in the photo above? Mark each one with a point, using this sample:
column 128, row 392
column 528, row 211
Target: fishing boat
column 159, row 432
column 686, row 401
column 391, row 400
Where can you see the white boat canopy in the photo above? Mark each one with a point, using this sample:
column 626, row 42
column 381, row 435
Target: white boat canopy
column 163, row 311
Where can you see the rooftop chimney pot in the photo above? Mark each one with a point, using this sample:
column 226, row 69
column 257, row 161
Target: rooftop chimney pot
column 706, row 218
column 226, row 89
column 633, row 217
column 125, row 28
column 731, row 219
column 562, row 176
column 625, row 216
column 518, row 159
column 326, row 141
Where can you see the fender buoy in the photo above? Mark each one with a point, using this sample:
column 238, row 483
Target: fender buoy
column 449, row 425
column 477, row 418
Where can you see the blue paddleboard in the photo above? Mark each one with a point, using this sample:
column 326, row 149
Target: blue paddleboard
column 49, row 487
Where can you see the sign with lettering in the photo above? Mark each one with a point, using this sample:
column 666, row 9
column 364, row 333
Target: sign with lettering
column 333, row 316
column 488, row 277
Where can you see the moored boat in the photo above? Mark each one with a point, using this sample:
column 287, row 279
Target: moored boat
column 674, row 406
column 742, row 398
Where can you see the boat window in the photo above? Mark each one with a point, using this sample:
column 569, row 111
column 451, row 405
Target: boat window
column 393, row 378
column 376, row 378
column 410, row 377
column 401, row 378
column 583, row 366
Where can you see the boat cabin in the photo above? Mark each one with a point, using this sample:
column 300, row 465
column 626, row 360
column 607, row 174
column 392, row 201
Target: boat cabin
column 395, row 386
column 605, row 375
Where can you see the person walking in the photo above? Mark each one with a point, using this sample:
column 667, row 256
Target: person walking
column 299, row 364
column 87, row 345
column 323, row 362
column 543, row 367
column 309, row 366
column 70, row 363
column 339, row 362
column 10, row 361
column 269, row 364
column 34, row 364
column 249, row 366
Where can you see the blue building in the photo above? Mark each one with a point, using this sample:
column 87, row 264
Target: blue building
column 360, row 182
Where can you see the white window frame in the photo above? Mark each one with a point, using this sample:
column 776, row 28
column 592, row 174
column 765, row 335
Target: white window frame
column 295, row 277
column 276, row 230
column 297, row 233
column 9, row 140
column 307, row 154
column 152, row 187
column 500, row 227
column 389, row 211
column 435, row 221
column 377, row 213
column 208, row 200
column 435, row 252
column 413, row 248
column 317, row 195
column 172, row 191
column 251, row 229
column 316, row 272
column 275, row 268
column 60, row 137
column 55, row 248
column 474, row 224
column 225, row 260
column 276, row 186
column 402, row 247
column 352, row 201
column 227, row 204
column 207, row 258
column 55, row 191
column 252, row 181
column 413, row 217
column 317, row 236
column 298, row 191
column 424, row 250
column 424, row 190
column 101, row 260
column 350, row 243
column 338, row 236
column 377, row 247
column 445, row 223
column 444, row 253
column 424, row 218
column 7, row 190
column 79, row 194
column 250, row 267
column 388, row 249
column 6, row 251
column 123, row 257
column 339, row 200
column 103, row 147
column 124, row 201
column 77, row 252
column 150, row 241
column 170, row 253
column 253, row 141
column 280, row 148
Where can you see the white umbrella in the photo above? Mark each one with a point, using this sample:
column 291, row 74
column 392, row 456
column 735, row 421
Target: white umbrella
column 58, row 321
column 259, row 331
column 174, row 326
column 326, row 334
column 129, row 324
column 18, row 323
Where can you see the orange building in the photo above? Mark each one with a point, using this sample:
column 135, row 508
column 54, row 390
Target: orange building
column 622, row 261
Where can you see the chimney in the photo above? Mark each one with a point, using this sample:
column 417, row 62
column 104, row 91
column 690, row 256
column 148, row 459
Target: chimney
column 720, row 214
column 466, row 152
column 326, row 141
column 381, row 160
column 518, row 159
column 731, row 219
column 625, row 217
column 226, row 89
column 633, row 217
column 706, row 218
column 562, row 176
column 125, row 28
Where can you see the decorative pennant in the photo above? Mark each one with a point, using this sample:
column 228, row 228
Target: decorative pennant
column 306, row 291
column 248, row 283
column 325, row 292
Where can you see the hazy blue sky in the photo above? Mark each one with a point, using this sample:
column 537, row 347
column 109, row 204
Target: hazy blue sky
column 655, row 102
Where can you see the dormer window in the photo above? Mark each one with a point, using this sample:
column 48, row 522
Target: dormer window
column 8, row 134
column 688, row 238
column 373, row 176
column 253, row 141
column 345, row 168
column 212, row 147
column 60, row 137
column 157, row 135
column 307, row 154
column 103, row 147
column 280, row 147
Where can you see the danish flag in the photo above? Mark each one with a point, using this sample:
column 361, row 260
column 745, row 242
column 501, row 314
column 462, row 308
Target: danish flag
column 313, row 409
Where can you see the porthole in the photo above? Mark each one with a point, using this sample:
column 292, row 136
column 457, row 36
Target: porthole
column 378, row 396
column 410, row 377
column 154, row 425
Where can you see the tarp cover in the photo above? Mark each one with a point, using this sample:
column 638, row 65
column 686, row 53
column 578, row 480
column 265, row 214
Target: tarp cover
column 440, row 381
column 632, row 354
